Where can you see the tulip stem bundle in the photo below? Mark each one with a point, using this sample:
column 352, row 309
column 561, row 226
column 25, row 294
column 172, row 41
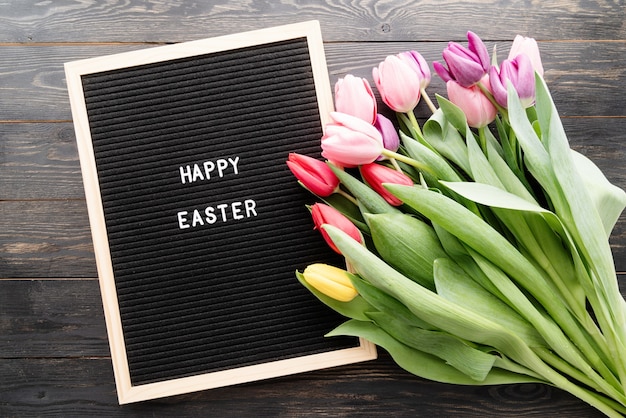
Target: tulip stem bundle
column 475, row 256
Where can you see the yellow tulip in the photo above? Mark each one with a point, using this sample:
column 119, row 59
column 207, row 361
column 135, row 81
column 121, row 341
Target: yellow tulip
column 331, row 281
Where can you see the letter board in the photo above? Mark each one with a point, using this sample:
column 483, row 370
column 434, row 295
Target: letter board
column 198, row 225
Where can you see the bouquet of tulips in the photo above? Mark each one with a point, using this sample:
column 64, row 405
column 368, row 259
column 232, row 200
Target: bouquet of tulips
column 476, row 243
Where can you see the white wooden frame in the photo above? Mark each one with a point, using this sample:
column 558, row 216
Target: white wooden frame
column 128, row 393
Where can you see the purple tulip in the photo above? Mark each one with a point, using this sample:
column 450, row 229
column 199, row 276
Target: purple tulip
column 519, row 71
column 391, row 140
column 466, row 66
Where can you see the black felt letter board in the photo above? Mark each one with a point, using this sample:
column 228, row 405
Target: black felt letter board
column 204, row 224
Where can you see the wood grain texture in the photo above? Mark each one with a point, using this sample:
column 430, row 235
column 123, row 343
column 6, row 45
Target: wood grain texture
column 54, row 356
column 583, row 77
column 359, row 21
column 78, row 387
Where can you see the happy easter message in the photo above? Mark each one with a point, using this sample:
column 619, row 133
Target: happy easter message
column 221, row 212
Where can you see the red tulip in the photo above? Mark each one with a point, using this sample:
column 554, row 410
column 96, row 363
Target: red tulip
column 376, row 175
column 314, row 174
column 323, row 214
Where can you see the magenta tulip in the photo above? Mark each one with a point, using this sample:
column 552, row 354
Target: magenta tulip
column 354, row 96
column 419, row 65
column 397, row 83
column 376, row 175
column 314, row 174
column 323, row 214
column 528, row 46
column 478, row 110
column 520, row 73
column 349, row 141
column 466, row 66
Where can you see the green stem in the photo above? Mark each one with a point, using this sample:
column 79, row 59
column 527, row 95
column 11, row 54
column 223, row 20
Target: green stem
column 407, row 160
column 429, row 102
column 351, row 198
column 490, row 97
column 482, row 136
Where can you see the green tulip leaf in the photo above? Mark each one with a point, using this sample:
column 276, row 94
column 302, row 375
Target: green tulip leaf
column 423, row 364
column 407, row 244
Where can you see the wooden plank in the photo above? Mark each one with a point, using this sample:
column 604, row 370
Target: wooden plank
column 51, row 318
column 78, row 387
column 131, row 21
column 39, row 161
column 45, row 239
column 585, row 78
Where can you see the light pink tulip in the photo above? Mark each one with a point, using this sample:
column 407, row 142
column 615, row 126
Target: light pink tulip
column 478, row 110
column 397, row 83
column 350, row 141
column 354, row 96
column 419, row 65
column 528, row 46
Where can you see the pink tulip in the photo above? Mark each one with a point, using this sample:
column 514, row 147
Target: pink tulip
column 376, row 175
column 314, row 174
column 323, row 214
column 391, row 140
column 354, row 96
column 520, row 73
column 478, row 110
column 349, row 141
column 528, row 46
column 419, row 65
column 466, row 66
column 397, row 83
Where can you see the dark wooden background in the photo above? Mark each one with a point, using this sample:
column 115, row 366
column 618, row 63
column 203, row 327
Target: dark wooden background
column 54, row 358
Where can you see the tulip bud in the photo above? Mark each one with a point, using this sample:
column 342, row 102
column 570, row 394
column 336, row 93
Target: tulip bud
column 391, row 140
column 466, row 66
column 354, row 96
column 323, row 214
column 419, row 65
column 376, row 175
column 478, row 110
column 331, row 281
column 528, row 46
column 314, row 174
column 397, row 83
column 520, row 73
column 349, row 141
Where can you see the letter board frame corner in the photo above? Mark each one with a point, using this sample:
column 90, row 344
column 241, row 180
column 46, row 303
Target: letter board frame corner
column 194, row 217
